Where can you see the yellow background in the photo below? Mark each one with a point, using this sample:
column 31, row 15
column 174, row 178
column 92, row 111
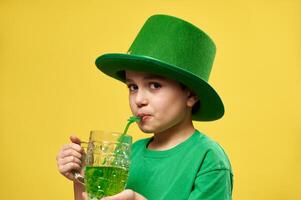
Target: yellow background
column 50, row 87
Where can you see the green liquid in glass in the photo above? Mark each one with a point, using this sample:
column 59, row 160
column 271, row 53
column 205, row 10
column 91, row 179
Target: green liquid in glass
column 104, row 181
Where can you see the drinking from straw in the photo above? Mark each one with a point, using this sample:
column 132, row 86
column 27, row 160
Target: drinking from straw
column 122, row 137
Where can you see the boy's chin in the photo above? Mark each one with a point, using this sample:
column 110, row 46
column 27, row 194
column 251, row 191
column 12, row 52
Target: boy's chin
column 146, row 130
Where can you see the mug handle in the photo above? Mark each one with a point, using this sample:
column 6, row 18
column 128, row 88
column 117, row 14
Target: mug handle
column 78, row 177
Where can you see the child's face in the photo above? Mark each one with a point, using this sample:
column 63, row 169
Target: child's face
column 160, row 102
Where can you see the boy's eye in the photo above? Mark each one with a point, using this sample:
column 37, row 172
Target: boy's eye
column 132, row 87
column 155, row 85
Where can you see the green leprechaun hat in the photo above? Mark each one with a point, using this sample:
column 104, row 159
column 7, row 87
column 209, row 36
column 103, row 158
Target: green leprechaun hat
column 176, row 49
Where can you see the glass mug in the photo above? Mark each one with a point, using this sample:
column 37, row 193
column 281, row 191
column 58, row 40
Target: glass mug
column 107, row 164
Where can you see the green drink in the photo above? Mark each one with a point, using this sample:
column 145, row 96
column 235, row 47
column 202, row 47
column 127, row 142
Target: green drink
column 104, row 181
column 107, row 163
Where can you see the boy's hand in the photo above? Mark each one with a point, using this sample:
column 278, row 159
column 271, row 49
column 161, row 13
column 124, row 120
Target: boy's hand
column 69, row 158
column 124, row 195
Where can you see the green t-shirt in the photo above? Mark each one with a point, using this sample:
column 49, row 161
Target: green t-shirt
column 197, row 168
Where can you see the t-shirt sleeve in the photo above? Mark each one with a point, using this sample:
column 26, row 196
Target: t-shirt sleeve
column 213, row 185
column 214, row 181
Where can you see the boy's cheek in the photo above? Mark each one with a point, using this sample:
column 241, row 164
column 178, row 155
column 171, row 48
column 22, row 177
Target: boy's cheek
column 147, row 127
column 133, row 107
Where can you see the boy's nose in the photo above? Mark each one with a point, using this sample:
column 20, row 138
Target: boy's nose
column 141, row 99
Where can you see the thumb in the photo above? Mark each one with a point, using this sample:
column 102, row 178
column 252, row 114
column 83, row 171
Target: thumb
column 124, row 195
column 85, row 196
column 75, row 139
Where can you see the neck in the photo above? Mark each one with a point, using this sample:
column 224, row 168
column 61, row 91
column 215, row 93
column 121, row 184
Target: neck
column 173, row 136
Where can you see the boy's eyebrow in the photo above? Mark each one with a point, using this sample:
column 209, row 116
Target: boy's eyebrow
column 147, row 77
column 127, row 80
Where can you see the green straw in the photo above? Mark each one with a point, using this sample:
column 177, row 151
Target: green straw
column 131, row 120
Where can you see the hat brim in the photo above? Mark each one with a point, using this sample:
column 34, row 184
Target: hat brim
column 211, row 105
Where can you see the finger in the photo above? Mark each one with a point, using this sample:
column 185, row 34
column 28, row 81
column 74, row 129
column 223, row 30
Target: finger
column 74, row 146
column 69, row 159
column 85, row 196
column 69, row 167
column 69, row 175
column 70, row 152
column 124, row 195
column 107, row 198
column 75, row 139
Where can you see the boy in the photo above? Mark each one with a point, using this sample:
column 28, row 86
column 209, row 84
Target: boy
column 166, row 70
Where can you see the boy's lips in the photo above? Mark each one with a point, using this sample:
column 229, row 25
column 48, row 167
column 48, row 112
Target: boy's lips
column 143, row 116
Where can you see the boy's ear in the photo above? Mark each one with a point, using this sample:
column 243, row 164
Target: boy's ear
column 191, row 99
